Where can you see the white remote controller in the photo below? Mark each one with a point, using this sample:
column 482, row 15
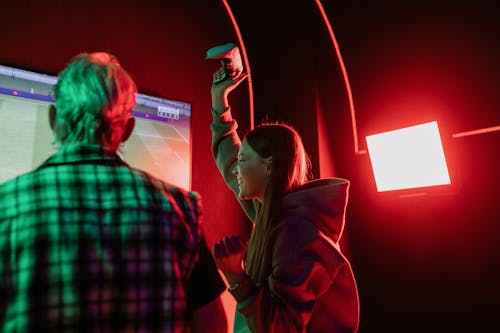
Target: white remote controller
column 230, row 58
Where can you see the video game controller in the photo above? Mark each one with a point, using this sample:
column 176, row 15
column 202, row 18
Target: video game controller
column 230, row 58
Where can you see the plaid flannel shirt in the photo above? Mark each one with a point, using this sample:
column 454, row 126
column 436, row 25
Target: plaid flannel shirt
column 89, row 244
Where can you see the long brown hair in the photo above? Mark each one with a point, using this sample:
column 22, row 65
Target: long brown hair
column 289, row 170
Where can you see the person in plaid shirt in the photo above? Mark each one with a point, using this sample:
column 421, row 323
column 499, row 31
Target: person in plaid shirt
column 90, row 244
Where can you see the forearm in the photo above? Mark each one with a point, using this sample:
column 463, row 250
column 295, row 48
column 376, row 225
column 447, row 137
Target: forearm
column 225, row 146
column 219, row 102
column 266, row 310
column 225, row 143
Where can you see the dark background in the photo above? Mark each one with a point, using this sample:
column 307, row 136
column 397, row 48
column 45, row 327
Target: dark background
column 423, row 264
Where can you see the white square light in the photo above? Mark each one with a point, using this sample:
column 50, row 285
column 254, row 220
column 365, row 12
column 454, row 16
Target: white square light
column 408, row 158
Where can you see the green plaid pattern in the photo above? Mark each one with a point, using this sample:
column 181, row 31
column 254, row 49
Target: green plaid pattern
column 89, row 244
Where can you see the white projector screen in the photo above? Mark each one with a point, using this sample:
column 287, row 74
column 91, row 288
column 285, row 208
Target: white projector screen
column 160, row 143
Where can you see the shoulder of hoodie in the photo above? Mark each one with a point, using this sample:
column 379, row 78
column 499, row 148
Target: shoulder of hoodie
column 295, row 237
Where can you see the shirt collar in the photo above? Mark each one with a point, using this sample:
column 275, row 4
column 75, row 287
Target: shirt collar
column 80, row 153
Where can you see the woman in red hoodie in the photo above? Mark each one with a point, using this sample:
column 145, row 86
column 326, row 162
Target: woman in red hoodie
column 294, row 277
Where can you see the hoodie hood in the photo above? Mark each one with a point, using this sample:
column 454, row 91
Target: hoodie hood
column 323, row 202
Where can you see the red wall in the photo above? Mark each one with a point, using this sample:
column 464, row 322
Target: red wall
column 426, row 264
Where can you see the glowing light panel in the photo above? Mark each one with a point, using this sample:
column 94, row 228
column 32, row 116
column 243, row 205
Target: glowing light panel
column 408, row 158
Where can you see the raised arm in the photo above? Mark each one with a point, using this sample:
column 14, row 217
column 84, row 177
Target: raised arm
column 225, row 140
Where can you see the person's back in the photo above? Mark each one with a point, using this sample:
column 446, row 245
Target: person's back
column 88, row 243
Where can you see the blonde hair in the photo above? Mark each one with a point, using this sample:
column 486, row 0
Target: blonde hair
column 94, row 99
column 290, row 169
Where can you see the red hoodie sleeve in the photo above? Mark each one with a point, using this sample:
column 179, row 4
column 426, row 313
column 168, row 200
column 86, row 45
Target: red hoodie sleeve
column 225, row 146
column 303, row 266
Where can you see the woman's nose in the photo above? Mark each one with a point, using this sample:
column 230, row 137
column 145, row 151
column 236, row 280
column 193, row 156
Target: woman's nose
column 235, row 170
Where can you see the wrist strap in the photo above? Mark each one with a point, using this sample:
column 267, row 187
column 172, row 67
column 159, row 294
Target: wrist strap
column 238, row 284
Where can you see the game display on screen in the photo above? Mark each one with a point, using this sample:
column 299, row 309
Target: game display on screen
column 160, row 143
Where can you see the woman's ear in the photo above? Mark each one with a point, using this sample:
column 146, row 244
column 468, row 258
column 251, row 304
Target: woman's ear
column 269, row 165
